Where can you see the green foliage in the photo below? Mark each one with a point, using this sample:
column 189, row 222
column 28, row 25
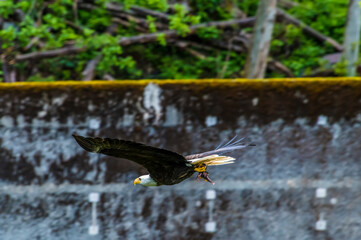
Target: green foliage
column 151, row 24
column 97, row 19
column 127, row 3
column 173, row 63
column 161, row 39
column 328, row 17
column 208, row 33
column 249, row 6
column 211, row 10
column 47, row 25
column 180, row 20
column 7, row 37
column 160, row 5
column 102, row 40
column 7, row 7
column 39, row 78
column 301, row 53
column 23, row 5
column 340, row 68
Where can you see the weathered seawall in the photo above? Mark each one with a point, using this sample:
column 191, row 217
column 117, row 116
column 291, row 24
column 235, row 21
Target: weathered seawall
column 307, row 133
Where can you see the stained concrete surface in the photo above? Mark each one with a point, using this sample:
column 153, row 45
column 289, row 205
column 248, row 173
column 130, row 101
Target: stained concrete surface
column 307, row 135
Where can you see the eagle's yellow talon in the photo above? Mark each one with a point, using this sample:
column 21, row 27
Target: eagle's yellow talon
column 201, row 168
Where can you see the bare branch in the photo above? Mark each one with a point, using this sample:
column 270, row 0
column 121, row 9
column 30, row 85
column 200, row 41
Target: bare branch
column 278, row 66
column 224, row 45
column 145, row 11
column 142, row 38
column 108, row 77
column 128, row 24
column 226, row 62
column 287, row 4
column 89, row 71
column 308, row 30
column 323, row 73
column 50, row 53
column 184, row 46
column 134, row 10
column 195, row 45
column 74, row 25
column 151, row 37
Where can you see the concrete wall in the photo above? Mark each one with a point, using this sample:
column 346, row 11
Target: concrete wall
column 307, row 134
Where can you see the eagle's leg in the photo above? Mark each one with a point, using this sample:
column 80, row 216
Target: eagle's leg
column 204, row 175
column 198, row 176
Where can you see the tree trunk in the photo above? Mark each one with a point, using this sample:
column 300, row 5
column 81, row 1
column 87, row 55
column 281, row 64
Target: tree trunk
column 352, row 37
column 257, row 56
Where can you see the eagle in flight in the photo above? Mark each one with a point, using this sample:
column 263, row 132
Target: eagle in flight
column 165, row 167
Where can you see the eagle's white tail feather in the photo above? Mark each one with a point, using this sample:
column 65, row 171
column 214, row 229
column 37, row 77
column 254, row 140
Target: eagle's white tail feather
column 213, row 160
column 219, row 163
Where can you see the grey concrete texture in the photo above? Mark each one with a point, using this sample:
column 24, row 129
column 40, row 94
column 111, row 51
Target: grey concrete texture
column 307, row 135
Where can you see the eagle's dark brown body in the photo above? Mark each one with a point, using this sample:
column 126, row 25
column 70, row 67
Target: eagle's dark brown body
column 173, row 175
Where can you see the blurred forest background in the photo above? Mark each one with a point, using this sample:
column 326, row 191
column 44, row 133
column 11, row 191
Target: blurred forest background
column 160, row 39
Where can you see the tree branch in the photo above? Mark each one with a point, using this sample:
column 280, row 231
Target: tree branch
column 287, row 4
column 50, row 53
column 308, row 30
column 108, row 77
column 133, row 10
column 278, row 66
column 128, row 24
column 184, row 46
column 141, row 11
column 151, row 37
column 89, row 71
column 142, row 38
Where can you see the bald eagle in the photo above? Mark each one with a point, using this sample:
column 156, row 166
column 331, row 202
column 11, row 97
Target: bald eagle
column 164, row 167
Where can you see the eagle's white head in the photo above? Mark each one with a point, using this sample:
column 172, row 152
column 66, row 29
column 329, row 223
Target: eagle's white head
column 145, row 180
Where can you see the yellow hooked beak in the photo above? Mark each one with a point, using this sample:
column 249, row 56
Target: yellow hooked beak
column 136, row 181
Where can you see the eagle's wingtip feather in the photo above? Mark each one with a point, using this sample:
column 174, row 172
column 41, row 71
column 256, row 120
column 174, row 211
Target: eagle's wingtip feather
column 87, row 144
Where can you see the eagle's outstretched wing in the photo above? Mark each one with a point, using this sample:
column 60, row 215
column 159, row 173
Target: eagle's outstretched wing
column 150, row 157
